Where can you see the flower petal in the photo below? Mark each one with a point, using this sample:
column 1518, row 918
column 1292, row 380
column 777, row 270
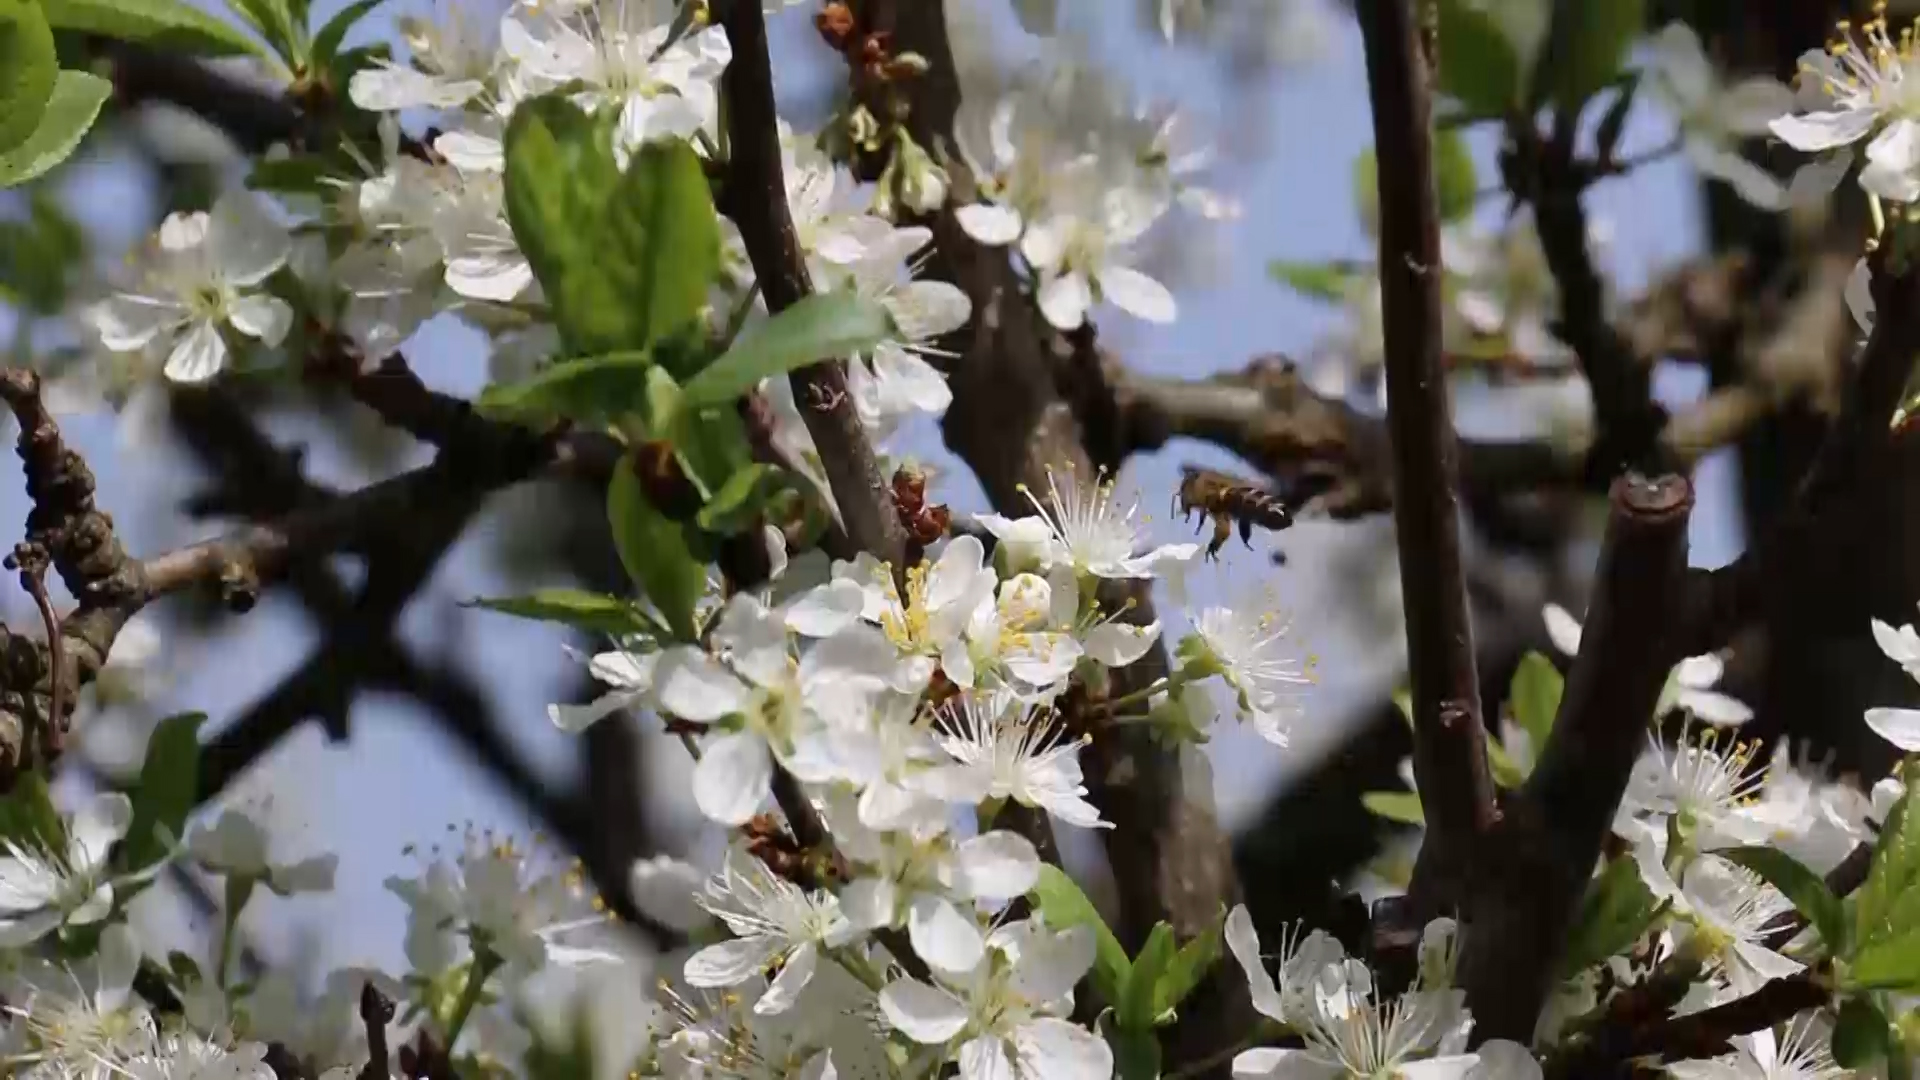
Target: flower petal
column 1137, row 294
column 97, row 827
column 693, row 686
column 793, row 978
column 731, row 962
column 1824, row 130
column 989, row 224
column 1119, row 644
column 197, row 356
column 926, row 1014
column 1901, row 727
column 947, row 940
column 998, row 865
column 1562, row 629
column 1059, row 1050
column 733, row 778
column 984, row 1057
column 260, row 316
column 1244, row 942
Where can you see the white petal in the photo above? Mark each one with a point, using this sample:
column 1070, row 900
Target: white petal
column 984, row 1057
column 1044, row 244
column 1901, row 727
column 1860, row 303
column 257, row 315
column 1064, row 300
column 786, row 986
column 127, row 322
column 1244, row 943
column 471, row 151
column 197, row 356
column 923, row 310
column 498, row 276
column 989, row 224
column 1137, row 294
column 923, row 1013
column 1119, row 644
column 1715, row 708
column 998, row 865
column 693, row 686
column 391, row 88
column 306, row 876
column 1765, row 962
column 95, row 907
column 1504, row 1059
column 98, row 826
column 1439, row 1068
column 574, row 719
column 624, row 670
column 733, row 778
column 1750, row 106
column 1059, row 1050
column 1277, row 1063
column 947, row 940
column 663, row 888
column 731, row 962
column 1892, row 159
column 1902, row 646
column 1700, row 672
column 1824, row 130
column 1049, row 966
column 1562, row 629
column 825, row 610
column 245, row 244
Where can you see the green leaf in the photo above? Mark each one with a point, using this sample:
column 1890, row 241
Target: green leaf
column 1454, row 180
column 1591, row 48
column 28, row 817
column 1188, row 967
column 326, row 43
column 1888, row 964
column 184, row 967
column 1366, row 190
column 1860, row 1033
column 168, row 789
column 654, row 550
column 1400, row 806
column 741, row 500
column 275, row 23
column 293, row 175
column 1403, row 701
column 1617, row 910
column 1806, row 889
column 28, row 67
column 624, row 260
column 1879, row 910
column 1480, row 65
column 1136, row 1051
column 825, row 326
column 1136, row 1009
column 40, row 255
column 588, row 611
column 77, row 97
column 588, row 390
column 1063, row 904
column 1534, row 697
column 1322, row 281
column 164, row 24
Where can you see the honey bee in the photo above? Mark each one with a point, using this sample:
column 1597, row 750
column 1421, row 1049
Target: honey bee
column 1228, row 500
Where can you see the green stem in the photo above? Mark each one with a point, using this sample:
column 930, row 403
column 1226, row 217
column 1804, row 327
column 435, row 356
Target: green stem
column 239, row 890
column 1112, row 705
column 485, row 963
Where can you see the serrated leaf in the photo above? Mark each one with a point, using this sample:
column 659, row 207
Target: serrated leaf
column 1894, row 876
column 1533, row 698
column 654, row 550
column 163, row 24
column 167, row 791
column 1454, row 179
column 824, row 326
column 1400, row 806
column 1806, row 889
column 1618, row 908
column 1188, row 967
column 1888, row 964
column 1063, row 904
column 1136, row 1009
column 76, row 101
column 624, row 259
column 1322, row 281
column 572, row 607
column 326, row 43
column 1591, row 48
column 28, row 68
column 1860, row 1033
column 588, row 390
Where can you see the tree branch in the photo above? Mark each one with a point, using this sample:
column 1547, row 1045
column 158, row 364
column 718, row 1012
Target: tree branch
column 1854, row 463
column 1536, row 868
column 755, row 197
column 1450, row 758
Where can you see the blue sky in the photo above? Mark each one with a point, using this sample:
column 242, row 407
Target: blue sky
column 1290, row 139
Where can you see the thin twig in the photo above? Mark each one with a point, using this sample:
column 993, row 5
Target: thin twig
column 31, row 560
column 1450, row 759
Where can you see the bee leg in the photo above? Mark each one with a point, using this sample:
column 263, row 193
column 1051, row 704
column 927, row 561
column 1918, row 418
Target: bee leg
column 1246, row 532
column 1222, row 528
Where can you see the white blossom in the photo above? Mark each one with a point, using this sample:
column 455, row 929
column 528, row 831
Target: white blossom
column 1799, row 1051
column 202, row 273
column 1251, row 651
column 1006, row 1014
column 1302, row 957
column 1714, row 118
column 1860, row 86
column 78, row 1022
column 628, row 676
column 453, row 58
column 45, row 883
column 1003, row 750
column 776, row 924
column 1086, row 528
column 1690, row 686
column 236, row 845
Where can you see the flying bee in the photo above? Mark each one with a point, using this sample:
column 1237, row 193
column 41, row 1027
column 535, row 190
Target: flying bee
column 1228, row 500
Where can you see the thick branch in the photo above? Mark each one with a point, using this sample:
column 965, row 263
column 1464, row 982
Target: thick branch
column 1853, row 463
column 755, row 197
column 1450, row 758
column 1523, row 903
